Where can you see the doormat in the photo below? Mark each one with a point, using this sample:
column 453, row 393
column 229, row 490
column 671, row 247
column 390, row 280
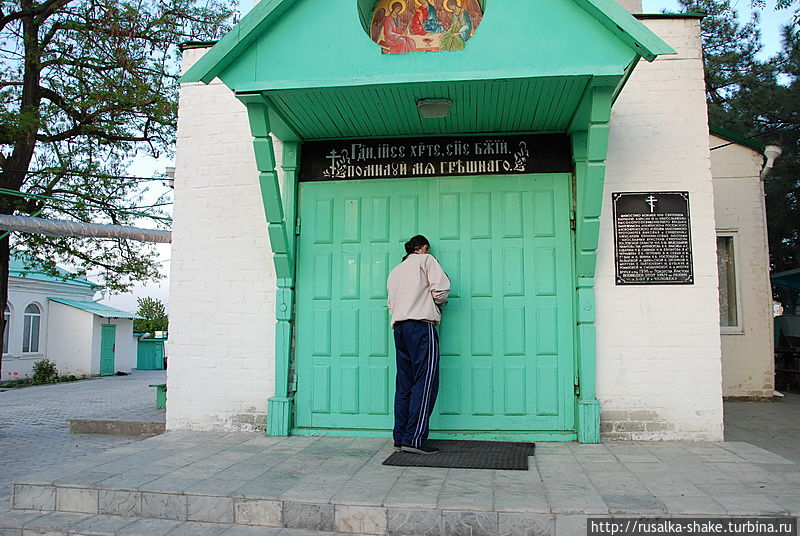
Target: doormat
column 459, row 454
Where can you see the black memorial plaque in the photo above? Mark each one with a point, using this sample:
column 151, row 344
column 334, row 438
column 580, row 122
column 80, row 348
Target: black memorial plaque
column 652, row 238
column 434, row 157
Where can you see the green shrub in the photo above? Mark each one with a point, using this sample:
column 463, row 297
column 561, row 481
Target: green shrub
column 44, row 371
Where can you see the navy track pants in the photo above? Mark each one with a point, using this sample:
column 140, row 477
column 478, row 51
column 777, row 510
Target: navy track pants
column 417, row 346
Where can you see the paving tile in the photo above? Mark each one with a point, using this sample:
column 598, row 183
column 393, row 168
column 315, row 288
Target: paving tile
column 752, row 504
column 360, row 519
column 194, row 528
column 469, row 523
column 516, row 524
column 416, row 521
column 417, row 488
column 77, row 500
column 149, row 527
column 467, row 489
column 56, row 521
column 689, row 505
column 308, row 516
column 633, row 503
column 210, row 508
column 570, row 525
column 164, row 506
column 258, row 512
column 34, row 497
column 120, row 503
column 18, row 518
column 102, row 524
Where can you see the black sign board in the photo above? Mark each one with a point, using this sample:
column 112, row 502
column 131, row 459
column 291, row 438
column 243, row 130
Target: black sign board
column 434, row 157
column 652, row 238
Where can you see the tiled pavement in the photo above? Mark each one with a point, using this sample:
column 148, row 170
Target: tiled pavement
column 198, row 483
column 34, row 421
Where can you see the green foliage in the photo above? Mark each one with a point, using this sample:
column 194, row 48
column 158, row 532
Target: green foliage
column 758, row 99
column 154, row 316
column 86, row 85
column 44, row 371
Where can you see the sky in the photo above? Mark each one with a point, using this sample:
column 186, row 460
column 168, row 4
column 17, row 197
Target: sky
column 771, row 22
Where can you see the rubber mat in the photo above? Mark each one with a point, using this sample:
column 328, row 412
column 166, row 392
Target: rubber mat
column 459, row 454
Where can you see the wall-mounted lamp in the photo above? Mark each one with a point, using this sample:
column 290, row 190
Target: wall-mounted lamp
column 434, row 108
column 771, row 153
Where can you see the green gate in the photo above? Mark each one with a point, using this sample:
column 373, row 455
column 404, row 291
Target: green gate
column 506, row 334
column 150, row 354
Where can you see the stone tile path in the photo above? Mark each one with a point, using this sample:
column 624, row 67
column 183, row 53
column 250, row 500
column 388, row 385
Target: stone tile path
column 205, row 483
column 327, row 484
column 34, row 421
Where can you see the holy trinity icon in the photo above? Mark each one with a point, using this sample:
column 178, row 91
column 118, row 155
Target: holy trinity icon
column 426, row 25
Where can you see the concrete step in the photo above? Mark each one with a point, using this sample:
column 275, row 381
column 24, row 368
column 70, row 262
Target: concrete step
column 18, row 522
column 167, row 511
column 115, row 427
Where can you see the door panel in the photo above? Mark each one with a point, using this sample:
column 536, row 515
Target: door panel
column 506, row 335
column 108, row 338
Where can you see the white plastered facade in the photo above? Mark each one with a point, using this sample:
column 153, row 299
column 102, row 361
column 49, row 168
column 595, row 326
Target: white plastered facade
column 748, row 364
column 658, row 348
column 66, row 335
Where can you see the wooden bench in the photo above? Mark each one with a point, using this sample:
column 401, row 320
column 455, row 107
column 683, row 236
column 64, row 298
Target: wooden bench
column 161, row 395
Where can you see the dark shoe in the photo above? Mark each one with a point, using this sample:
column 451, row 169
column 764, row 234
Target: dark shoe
column 424, row 449
column 398, row 446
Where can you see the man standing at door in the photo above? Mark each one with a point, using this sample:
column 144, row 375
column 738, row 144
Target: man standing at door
column 418, row 288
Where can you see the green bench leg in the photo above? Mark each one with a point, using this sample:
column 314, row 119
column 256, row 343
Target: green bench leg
column 161, row 395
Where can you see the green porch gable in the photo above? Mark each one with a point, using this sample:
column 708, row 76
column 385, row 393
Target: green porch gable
column 291, row 44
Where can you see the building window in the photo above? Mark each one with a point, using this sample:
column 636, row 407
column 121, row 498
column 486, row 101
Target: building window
column 726, row 265
column 7, row 317
column 30, row 332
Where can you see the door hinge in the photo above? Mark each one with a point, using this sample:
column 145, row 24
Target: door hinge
column 297, row 227
column 293, row 385
column 577, row 389
column 572, row 217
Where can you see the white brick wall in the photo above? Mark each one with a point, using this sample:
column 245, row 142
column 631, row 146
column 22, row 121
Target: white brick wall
column 222, row 297
column 658, row 347
column 747, row 352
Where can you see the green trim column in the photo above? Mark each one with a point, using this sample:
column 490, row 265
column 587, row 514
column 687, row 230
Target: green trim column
column 589, row 132
column 281, row 238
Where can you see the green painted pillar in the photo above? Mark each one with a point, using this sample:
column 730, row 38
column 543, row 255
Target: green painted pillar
column 589, row 148
column 281, row 237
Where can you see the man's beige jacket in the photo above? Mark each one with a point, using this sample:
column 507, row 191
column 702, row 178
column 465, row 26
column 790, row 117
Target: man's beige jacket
column 417, row 288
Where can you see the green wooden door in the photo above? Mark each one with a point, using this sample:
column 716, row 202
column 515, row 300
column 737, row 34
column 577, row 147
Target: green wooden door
column 506, row 335
column 108, row 343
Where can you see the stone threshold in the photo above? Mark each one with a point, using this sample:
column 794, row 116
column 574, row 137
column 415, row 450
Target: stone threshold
column 30, row 522
column 174, row 509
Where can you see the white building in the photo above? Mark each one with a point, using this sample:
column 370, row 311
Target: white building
column 600, row 352
column 55, row 318
column 748, row 362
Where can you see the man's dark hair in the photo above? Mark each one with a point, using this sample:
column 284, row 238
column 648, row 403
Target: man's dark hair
column 395, row 4
column 414, row 244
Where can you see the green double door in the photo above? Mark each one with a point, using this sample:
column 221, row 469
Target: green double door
column 506, row 335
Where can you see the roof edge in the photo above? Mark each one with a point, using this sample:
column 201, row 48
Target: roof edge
column 737, row 138
column 646, row 16
column 622, row 24
column 224, row 52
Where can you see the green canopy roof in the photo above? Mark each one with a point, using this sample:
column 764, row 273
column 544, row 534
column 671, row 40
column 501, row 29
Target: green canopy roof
column 20, row 266
column 789, row 279
column 96, row 308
